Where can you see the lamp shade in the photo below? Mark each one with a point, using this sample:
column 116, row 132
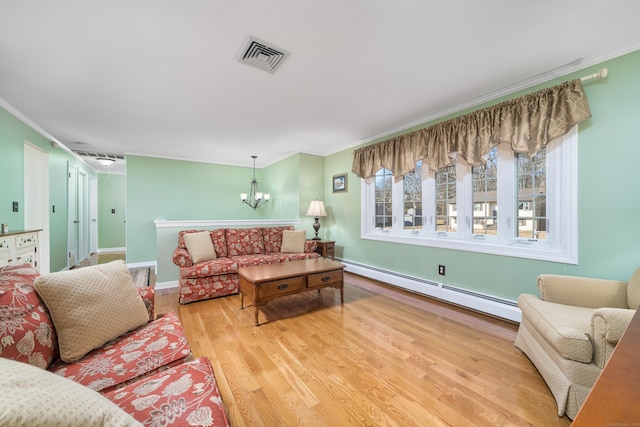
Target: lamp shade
column 316, row 208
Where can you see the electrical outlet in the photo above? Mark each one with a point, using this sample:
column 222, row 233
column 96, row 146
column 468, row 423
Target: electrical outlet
column 441, row 270
column 15, row 206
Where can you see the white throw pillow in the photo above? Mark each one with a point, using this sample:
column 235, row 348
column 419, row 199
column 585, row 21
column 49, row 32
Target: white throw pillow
column 293, row 241
column 31, row 396
column 200, row 246
column 90, row 306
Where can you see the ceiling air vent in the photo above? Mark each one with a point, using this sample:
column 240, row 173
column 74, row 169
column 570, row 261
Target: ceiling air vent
column 262, row 55
column 99, row 155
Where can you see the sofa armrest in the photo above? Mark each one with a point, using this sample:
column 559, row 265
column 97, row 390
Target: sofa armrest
column 582, row 291
column 181, row 258
column 607, row 327
column 310, row 246
column 148, row 295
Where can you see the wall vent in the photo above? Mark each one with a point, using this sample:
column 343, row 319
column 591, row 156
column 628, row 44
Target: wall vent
column 262, row 55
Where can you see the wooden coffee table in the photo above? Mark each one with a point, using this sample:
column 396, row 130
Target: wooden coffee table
column 263, row 283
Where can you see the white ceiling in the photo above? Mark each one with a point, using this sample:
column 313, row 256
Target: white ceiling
column 160, row 78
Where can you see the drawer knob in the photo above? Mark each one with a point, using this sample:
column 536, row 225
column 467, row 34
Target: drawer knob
column 326, row 278
column 283, row 286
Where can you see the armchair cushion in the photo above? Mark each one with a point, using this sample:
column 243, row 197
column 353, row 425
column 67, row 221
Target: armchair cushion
column 633, row 291
column 607, row 327
column 562, row 326
column 91, row 305
column 582, row 291
column 26, row 329
column 138, row 353
column 183, row 395
column 32, row 396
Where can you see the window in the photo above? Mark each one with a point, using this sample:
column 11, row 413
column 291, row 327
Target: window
column 412, row 195
column 485, row 196
column 446, row 200
column 532, row 196
column 512, row 205
column 384, row 202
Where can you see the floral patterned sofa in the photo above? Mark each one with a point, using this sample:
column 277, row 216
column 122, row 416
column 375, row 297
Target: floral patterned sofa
column 146, row 373
column 217, row 274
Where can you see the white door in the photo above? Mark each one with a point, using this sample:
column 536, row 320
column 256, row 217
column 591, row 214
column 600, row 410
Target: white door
column 83, row 217
column 72, row 200
column 93, row 215
column 36, row 199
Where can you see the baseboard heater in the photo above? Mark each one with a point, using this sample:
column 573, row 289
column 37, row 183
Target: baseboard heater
column 485, row 303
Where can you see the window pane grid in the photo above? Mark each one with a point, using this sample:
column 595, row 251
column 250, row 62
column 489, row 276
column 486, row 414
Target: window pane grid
column 485, row 195
column 412, row 194
column 446, row 212
column 531, row 199
column 383, row 199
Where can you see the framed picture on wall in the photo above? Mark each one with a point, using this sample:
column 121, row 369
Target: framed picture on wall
column 340, row 183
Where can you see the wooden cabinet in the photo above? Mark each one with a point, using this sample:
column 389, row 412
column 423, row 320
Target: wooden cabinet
column 19, row 247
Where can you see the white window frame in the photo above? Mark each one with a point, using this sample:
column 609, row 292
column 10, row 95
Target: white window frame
column 562, row 210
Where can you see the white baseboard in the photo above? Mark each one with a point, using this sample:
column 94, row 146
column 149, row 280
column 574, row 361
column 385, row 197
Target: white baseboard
column 485, row 303
column 110, row 250
column 151, row 264
column 167, row 286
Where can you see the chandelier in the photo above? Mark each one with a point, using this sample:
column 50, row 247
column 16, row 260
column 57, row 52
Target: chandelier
column 255, row 198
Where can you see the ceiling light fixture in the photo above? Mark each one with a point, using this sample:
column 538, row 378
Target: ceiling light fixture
column 255, row 198
column 105, row 161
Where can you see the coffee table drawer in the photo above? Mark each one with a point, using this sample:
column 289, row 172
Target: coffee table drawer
column 324, row 279
column 282, row 287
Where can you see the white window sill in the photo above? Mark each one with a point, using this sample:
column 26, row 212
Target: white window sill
column 536, row 251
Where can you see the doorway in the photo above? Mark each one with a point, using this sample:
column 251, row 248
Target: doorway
column 36, row 199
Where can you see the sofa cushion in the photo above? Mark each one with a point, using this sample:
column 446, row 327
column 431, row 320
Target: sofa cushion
column 564, row 327
column 273, row 237
column 210, row 268
column 91, row 305
column 218, row 237
column 185, row 395
column 633, row 291
column 253, row 260
column 200, row 246
column 140, row 352
column 31, row 396
column 244, row 241
column 26, row 329
column 293, row 241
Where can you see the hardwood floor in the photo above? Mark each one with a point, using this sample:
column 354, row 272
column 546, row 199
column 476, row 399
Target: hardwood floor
column 385, row 357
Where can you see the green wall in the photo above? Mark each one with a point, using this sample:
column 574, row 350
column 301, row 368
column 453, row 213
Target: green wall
column 112, row 226
column 609, row 202
column 181, row 190
column 609, row 239
column 13, row 134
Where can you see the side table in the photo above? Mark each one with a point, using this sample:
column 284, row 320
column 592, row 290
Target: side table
column 326, row 248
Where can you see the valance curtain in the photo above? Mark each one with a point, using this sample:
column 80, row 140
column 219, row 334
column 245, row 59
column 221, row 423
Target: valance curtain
column 528, row 123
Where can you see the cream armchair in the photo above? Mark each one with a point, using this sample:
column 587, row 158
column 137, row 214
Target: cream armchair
column 570, row 331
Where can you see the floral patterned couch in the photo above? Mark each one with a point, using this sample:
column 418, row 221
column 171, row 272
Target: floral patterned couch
column 234, row 248
column 147, row 372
